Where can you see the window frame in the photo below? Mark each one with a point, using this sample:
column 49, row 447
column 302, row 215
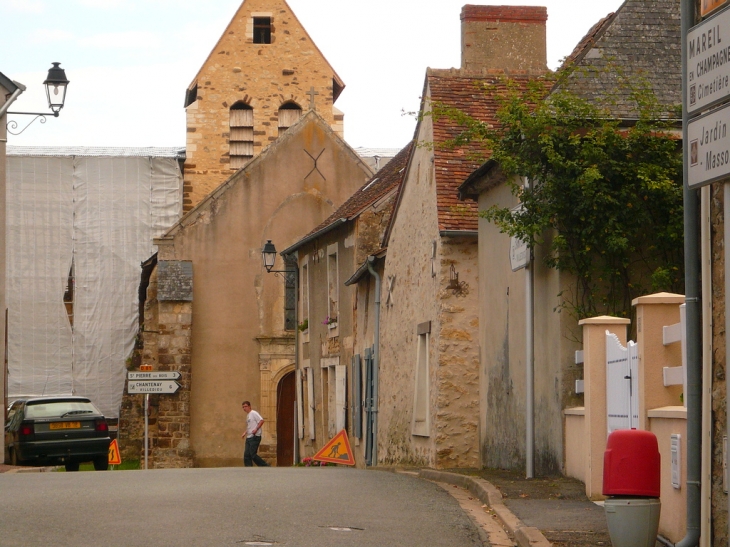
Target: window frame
column 421, row 420
column 262, row 32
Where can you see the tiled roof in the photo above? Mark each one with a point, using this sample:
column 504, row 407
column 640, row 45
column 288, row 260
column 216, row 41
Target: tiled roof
column 385, row 180
column 476, row 95
column 67, row 151
column 643, row 38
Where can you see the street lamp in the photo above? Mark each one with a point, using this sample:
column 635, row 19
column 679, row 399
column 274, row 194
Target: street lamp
column 268, row 255
column 56, row 84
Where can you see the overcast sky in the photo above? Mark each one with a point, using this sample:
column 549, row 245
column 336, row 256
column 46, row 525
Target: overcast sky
column 130, row 61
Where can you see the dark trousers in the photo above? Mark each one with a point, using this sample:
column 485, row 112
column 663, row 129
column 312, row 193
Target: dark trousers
column 250, row 455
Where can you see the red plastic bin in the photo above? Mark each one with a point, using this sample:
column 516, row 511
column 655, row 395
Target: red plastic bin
column 632, row 464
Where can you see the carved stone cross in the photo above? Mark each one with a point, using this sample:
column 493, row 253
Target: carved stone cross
column 311, row 94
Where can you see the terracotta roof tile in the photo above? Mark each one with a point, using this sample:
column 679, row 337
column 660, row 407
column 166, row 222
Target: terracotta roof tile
column 476, row 95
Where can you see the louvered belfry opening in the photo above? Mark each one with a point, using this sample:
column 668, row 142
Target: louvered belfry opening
column 241, row 135
column 289, row 114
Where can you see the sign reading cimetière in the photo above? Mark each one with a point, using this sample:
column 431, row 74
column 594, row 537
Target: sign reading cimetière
column 708, row 62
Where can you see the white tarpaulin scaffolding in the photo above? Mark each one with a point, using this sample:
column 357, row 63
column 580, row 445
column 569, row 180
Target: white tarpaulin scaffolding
column 90, row 213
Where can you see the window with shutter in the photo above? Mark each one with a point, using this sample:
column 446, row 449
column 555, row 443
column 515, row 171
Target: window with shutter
column 289, row 114
column 241, row 135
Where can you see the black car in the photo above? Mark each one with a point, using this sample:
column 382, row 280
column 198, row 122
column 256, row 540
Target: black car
column 56, row 430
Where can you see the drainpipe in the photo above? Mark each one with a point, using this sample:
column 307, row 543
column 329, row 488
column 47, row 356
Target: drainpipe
column 694, row 333
column 376, row 358
column 529, row 362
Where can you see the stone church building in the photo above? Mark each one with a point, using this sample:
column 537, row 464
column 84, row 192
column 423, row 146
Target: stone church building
column 263, row 73
column 265, row 159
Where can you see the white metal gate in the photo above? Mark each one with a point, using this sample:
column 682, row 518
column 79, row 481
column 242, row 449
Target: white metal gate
column 622, row 376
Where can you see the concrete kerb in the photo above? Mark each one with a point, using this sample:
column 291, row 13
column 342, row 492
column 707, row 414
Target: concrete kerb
column 524, row 536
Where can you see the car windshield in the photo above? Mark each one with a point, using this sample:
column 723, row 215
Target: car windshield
column 52, row 409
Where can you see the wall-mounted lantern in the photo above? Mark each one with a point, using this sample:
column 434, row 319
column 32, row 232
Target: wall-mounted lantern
column 56, row 84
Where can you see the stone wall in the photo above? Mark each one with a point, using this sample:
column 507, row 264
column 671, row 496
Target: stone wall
column 415, row 292
column 171, row 447
column 719, row 381
column 510, row 38
column 264, row 76
column 457, row 425
column 166, row 344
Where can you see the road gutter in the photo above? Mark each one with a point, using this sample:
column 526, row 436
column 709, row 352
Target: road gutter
column 487, row 493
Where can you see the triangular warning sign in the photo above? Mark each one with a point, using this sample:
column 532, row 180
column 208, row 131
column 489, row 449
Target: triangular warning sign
column 115, row 458
column 336, row 451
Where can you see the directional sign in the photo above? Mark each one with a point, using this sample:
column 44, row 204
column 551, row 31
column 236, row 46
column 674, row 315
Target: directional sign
column 519, row 254
column 336, row 451
column 152, row 386
column 157, row 375
column 708, row 63
column 115, row 458
column 709, row 147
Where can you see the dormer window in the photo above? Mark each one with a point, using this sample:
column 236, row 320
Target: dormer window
column 262, row 30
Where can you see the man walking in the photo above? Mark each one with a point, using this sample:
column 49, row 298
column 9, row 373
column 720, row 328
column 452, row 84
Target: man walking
column 254, row 423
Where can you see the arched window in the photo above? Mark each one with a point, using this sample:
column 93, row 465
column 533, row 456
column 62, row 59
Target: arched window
column 241, row 134
column 289, row 114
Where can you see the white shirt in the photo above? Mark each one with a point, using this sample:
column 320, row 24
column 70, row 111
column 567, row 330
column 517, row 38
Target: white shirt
column 253, row 420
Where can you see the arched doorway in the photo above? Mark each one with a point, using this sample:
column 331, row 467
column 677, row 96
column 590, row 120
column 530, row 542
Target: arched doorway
column 285, row 396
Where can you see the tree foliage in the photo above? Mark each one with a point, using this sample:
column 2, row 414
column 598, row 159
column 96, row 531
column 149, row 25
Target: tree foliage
column 605, row 198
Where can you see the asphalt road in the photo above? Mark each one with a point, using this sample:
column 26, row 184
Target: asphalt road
column 283, row 507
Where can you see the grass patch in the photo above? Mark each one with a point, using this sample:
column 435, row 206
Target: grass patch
column 124, row 466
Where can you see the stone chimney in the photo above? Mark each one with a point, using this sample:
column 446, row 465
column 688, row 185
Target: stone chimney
column 505, row 38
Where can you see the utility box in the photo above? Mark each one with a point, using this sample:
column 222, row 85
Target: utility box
column 632, row 464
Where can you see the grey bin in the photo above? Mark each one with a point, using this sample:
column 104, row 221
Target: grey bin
column 633, row 522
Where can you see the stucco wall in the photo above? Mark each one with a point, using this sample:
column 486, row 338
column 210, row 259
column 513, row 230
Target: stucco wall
column 265, row 76
column 503, row 335
column 664, row 422
column 279, row 197
column 3, row 140
column 418, row 296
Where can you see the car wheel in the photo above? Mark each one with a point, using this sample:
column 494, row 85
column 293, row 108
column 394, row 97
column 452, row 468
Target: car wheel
column 72, row 466
column 101, row 463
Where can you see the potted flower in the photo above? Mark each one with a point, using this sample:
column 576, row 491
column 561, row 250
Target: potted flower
column 331, row 322
column 303, row 326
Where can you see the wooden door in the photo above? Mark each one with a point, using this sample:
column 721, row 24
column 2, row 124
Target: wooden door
column 285, row 397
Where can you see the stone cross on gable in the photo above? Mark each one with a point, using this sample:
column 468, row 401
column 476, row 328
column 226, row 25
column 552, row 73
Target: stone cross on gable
column 311, row 94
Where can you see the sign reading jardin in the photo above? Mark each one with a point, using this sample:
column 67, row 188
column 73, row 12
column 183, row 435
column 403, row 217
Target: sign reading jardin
column 708, row 62
column 709, row 147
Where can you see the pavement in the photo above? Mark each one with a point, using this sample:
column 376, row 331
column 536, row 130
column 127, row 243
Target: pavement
column 5, row 468
column 537, row 512
column 534, row 512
